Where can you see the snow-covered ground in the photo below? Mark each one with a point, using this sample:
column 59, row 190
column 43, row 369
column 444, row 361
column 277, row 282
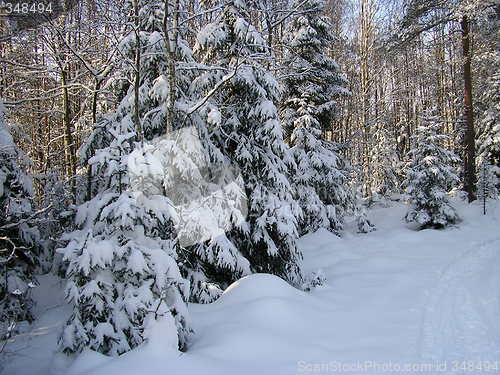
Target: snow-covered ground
column 396, row 297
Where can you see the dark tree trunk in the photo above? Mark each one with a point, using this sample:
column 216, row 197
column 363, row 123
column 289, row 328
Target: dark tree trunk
column 97, row 87
column 69, row 144
column 137, row 80
column 469, row 143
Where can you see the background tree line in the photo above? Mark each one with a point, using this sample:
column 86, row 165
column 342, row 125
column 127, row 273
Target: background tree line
column 56, row 79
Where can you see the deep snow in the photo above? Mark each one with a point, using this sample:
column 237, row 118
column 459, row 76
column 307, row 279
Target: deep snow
column 393, row 297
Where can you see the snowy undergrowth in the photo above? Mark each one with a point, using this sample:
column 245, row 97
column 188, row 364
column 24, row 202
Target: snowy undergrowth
column 395, row 295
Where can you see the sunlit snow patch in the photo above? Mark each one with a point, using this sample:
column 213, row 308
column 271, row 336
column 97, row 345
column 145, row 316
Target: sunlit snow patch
column 257, row 287
column 209, row 197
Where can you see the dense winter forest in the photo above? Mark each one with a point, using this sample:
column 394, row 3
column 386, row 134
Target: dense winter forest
column 155, row 152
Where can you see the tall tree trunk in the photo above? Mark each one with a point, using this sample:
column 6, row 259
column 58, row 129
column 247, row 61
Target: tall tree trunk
column 469, row 137
column 366, row 53
column 69, row 144
column 171, row 39
column 137, row 79
column 97, row 87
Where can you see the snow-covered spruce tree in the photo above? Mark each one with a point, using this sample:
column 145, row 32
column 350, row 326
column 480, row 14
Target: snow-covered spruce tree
column 19, row 237
column 488, row 140
column 363, row 223
column 209, row 201
column 312, row 83
column 430, row 175
column 247, row 131
column 122, row 258
column 486, row 65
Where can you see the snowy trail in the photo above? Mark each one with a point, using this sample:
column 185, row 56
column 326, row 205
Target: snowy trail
column 392, row 296
column 429, row 300
column 461, row 319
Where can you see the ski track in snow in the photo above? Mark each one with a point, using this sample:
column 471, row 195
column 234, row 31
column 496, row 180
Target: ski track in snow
column 462, row 318
column 396, row 295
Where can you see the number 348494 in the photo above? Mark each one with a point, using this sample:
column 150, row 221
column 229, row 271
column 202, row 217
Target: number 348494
column 8, row 8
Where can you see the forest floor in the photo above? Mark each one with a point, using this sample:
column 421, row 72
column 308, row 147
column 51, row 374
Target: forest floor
column 395, row 300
